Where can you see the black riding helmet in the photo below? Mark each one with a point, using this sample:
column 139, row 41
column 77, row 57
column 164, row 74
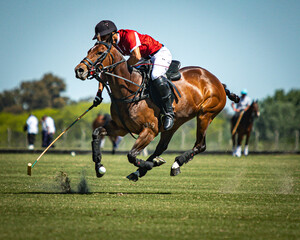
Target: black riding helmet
column 104, row 27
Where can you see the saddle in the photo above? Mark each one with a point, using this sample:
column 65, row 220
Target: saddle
column 145, row 68
column 173, row 72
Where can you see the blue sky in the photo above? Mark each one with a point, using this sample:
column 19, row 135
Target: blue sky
column 246, row 44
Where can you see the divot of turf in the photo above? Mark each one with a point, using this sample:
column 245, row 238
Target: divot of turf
column 83, row 187
column 64, row 182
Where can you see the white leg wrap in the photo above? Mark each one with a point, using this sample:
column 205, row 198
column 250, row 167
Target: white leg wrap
column 175, row 165
column 238, row 151
column 246, row 150
column 233, row 151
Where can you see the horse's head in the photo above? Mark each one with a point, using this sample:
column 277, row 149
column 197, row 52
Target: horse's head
column 95, row 61
column 255, row 108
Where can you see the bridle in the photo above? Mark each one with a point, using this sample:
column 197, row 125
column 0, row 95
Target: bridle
column 96, row 67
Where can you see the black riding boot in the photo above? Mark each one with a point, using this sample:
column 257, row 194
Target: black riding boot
column 165, row 94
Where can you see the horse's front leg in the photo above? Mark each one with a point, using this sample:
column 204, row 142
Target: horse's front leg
column 111, row 129
column 239, row 144
column 246, row 149
column 145, row 137
column 97, row 136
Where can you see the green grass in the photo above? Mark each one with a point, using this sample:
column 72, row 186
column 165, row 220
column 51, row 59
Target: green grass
column 215, row 197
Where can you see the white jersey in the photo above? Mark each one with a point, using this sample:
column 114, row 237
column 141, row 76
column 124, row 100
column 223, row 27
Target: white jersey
column 50, row 125
column 32, row 125
column 244, row 102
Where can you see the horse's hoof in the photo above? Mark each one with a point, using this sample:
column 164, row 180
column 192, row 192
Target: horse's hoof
column 158, row 161
column 175, row 169
column 100, row 170
column 134, row 176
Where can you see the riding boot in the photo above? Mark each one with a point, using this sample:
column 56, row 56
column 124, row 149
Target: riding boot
column 165, row 94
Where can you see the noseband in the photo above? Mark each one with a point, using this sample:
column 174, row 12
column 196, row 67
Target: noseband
column 97, row 66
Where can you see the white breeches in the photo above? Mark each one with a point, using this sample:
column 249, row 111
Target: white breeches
column 161, row 62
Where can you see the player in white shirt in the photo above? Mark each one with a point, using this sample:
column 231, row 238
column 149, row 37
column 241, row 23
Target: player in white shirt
column 244, row 103
column 50, row 126
column 32, row 130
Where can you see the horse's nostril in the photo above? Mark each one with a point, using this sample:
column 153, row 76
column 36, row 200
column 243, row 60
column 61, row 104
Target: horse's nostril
column 80, row 70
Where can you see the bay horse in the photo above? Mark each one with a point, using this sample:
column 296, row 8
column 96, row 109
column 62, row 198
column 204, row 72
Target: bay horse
column 244, row 128
column 102, row 121
column 202, row 96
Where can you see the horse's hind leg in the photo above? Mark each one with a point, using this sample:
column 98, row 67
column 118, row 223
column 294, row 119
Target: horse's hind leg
column 233, row 138
column 203, row 122
column 145, row 137
column 164, row 141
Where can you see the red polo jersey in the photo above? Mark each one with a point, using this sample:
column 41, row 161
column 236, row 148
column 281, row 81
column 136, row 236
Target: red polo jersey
column 128, row 40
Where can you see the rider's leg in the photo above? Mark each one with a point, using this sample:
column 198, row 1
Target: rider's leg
column 165, row 94
column 161, row 62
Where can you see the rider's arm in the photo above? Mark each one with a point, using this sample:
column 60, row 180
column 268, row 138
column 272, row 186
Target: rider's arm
column 246, row 108
column 98, row 99
column 233, row 107
column 248, row 104
column 135, row 56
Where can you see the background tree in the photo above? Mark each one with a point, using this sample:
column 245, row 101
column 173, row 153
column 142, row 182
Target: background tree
column 10, row 101
column 39, row 94
column 279, row 113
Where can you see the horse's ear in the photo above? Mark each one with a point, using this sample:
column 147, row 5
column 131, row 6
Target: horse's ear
column 256, row 100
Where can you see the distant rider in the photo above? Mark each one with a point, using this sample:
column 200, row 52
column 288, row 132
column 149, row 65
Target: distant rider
column 138, row 46
column 243, row 105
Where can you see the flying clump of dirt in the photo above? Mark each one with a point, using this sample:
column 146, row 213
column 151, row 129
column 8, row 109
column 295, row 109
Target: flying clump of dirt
column 83, row 187
column 64, row 182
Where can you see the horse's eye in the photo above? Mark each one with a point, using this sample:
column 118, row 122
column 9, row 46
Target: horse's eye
column 99, row 53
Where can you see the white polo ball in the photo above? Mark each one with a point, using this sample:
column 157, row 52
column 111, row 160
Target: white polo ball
column 102, row 170
column 73, row 154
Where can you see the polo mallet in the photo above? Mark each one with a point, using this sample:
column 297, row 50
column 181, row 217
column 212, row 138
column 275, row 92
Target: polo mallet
column 30, row 166
column 237, row 122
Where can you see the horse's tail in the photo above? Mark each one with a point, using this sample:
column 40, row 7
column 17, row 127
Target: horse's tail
column 231, row 96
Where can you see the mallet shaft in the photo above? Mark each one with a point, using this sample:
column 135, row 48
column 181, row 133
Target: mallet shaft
column 237, row 122
column 57, row 139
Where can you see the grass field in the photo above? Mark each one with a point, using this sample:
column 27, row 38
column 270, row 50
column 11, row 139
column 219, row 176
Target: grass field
column 215, row 197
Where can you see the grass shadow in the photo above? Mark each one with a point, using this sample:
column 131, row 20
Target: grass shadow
column 91, row 193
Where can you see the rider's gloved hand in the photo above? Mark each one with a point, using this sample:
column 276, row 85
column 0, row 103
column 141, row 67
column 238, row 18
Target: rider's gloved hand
column 98, row 99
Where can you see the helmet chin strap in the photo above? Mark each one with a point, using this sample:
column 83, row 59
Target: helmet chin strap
column 110, row 39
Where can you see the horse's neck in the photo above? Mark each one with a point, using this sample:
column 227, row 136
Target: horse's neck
column 121, row 88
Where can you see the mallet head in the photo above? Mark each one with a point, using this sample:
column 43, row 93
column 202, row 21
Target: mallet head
column 29, row 169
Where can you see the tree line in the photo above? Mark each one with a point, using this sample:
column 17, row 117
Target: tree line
column 35, row 94
column 279, row 118
column 280, row 114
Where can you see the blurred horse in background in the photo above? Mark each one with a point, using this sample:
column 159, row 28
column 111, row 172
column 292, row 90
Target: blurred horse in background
column 102, row 121
column 243, row 127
